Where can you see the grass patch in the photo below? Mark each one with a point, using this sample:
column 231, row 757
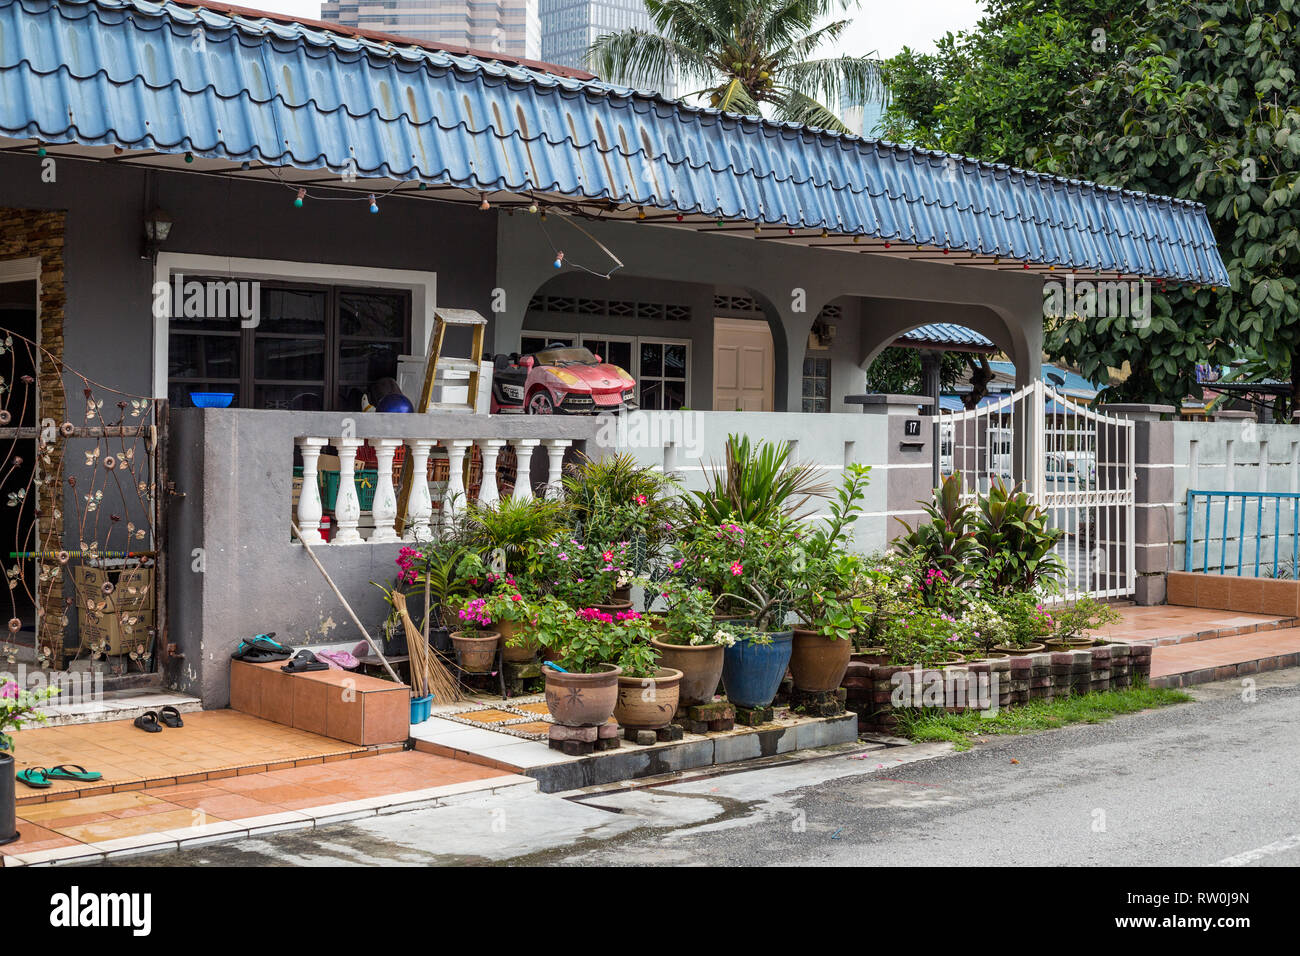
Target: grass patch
column 958, row 729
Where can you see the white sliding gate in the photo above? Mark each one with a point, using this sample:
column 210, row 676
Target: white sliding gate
column 1075, row 462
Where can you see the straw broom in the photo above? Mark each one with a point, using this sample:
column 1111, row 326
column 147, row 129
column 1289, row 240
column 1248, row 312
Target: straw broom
column 428, row 673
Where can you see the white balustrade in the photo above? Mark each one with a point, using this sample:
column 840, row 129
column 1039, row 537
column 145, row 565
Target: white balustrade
column 488, row 492
column 384, row 508
column 451, row 501
column 523, row 467
column 555, row 462
column 422, row 520
column 310, row 510
column 419, row 506
column 347, row 507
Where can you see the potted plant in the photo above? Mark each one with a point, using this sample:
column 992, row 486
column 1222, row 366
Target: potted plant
column 475, row 644
column 586, row 646
column 17, row 708
column 687, row 639
column 754, row 663
column 512, row 615
column 1071, row 622
column 828, row 597
column 583, row 575
column 1027, row 625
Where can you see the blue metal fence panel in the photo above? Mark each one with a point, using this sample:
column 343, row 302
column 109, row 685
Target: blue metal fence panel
column 1285, row 509
column 165, row 77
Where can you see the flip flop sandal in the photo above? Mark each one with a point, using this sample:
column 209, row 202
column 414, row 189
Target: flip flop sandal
column 170, row 716
column 70, row 771
column 303, row 662
column 36, row 777
column 148, row 722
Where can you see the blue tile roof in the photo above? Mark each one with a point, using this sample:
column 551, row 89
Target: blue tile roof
column 946, row 334
column 165, row 77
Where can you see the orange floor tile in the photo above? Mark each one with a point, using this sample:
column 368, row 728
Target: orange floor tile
column 1165, row 622
column 211, row 741
column 112, row 816
column 1201, row 655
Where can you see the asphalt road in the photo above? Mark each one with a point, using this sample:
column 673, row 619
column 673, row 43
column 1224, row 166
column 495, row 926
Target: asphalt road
column 1213, row 781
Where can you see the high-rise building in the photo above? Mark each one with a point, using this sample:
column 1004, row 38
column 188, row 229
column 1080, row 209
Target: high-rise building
column 570, row 27
column 508, row 27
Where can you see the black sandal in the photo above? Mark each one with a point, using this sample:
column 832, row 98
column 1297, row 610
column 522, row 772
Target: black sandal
column 170, row 716
column 303, row 662
column 148, row 722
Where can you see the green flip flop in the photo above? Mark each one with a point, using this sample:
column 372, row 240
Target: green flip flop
column 70, row 771
column 37, row 777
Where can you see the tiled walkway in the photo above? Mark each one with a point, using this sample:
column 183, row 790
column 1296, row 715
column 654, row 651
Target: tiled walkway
column 1196, row 645
column 235, row 806
column 1171, row 624
column 212, row 744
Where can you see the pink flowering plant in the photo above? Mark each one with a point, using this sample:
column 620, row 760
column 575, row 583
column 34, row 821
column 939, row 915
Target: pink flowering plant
column 18, row 708
column 750, row 570
column 582, row 639
column 578, row 573
column 687, row 614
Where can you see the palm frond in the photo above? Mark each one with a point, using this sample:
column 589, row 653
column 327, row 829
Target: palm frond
column 856, row 79
column 638, row 56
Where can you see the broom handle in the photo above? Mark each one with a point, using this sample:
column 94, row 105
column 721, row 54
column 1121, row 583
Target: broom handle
column 344, row 601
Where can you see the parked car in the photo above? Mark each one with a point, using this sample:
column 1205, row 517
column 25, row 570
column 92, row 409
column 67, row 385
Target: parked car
column 560, row 380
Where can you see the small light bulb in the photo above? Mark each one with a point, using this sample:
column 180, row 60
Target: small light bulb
column 302, row 194
column 532, row 207
column 189, row 157
column 374, row 206
column 484, row 204
column 559, row 260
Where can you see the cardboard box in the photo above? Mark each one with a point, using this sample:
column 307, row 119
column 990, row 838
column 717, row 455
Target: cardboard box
column 132, row 587
column 115, row 632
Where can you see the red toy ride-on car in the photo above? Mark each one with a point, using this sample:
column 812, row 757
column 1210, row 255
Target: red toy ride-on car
column 560, row 380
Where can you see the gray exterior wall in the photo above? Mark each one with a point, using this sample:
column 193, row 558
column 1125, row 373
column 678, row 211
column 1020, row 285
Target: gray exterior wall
column 235, row 571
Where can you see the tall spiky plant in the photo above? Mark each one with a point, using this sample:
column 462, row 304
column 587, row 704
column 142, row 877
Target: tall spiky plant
column 760, row 484
column 746, row 56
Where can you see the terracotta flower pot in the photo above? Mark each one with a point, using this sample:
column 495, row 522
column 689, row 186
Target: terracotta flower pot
column 648, row 703
column 701, row 668
column 1030, row 648
column 580, row 700
column 1070, row 644
column 516, row 648
column 614, row 607
column 477, row 649
column 818, row 663
column 870, row 655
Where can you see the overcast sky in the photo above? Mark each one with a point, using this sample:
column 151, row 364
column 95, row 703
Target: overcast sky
column 881, row 26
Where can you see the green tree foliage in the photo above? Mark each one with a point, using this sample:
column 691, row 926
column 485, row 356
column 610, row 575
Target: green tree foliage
column 749, row 56
column 897, row 371
column 1195, row 100
column 1205, row 108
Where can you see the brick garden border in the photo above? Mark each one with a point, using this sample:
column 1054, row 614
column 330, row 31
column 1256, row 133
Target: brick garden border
column 872, row 687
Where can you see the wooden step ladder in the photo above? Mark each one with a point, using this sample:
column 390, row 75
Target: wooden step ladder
column 435, row 368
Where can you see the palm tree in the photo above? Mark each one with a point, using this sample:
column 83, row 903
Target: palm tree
column 750, row 56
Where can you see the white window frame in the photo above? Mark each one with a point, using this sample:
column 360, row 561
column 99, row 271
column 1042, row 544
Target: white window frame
column 422, row 286
column 580, row 339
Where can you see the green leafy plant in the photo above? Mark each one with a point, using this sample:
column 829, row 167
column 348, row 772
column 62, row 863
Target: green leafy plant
column 759, row 484
column 585, row 638
column 688, row 614
column 18, row 708
column 1017, row 540
column 580, row 574
column 618, row 499
column 1081, row 616
column 752, row 570
column 948, row 541
column 502, row 532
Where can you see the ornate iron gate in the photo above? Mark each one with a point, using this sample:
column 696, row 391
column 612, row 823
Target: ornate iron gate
column 84, row 567
column 1075, row 462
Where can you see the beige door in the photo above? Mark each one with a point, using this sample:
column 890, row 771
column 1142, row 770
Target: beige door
column 744, row 366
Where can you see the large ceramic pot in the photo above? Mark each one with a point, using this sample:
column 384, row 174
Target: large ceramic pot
column 701, row 669
column 580, row 700
column 614, row 607
column 477, row 649
column 1010, row 651
column 8, row 831
column 515, row 648
column 870, row 655
column 1070, row 644
column 752, row 673
column 648, row 703
column 818, row 663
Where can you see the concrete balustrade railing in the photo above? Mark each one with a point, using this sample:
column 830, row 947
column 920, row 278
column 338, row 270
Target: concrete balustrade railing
column 422, row 518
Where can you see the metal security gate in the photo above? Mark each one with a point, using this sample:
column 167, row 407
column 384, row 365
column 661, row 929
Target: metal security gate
column 83, row 498
column 1074, row 462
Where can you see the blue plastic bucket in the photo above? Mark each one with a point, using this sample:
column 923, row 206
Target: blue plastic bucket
column 420, row 707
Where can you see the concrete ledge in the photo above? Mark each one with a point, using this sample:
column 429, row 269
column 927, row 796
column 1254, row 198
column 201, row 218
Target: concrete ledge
column 1227, row 592
column 1207, row 675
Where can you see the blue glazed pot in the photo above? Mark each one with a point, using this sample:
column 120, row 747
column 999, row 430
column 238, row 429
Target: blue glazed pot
column 752, row 673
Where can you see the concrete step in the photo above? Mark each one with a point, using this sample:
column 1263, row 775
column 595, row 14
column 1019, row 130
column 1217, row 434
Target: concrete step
column 116, row 705
column 1224, row 658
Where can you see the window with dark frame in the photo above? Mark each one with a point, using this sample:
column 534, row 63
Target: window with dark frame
column 816, row 384
column 313, row 348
